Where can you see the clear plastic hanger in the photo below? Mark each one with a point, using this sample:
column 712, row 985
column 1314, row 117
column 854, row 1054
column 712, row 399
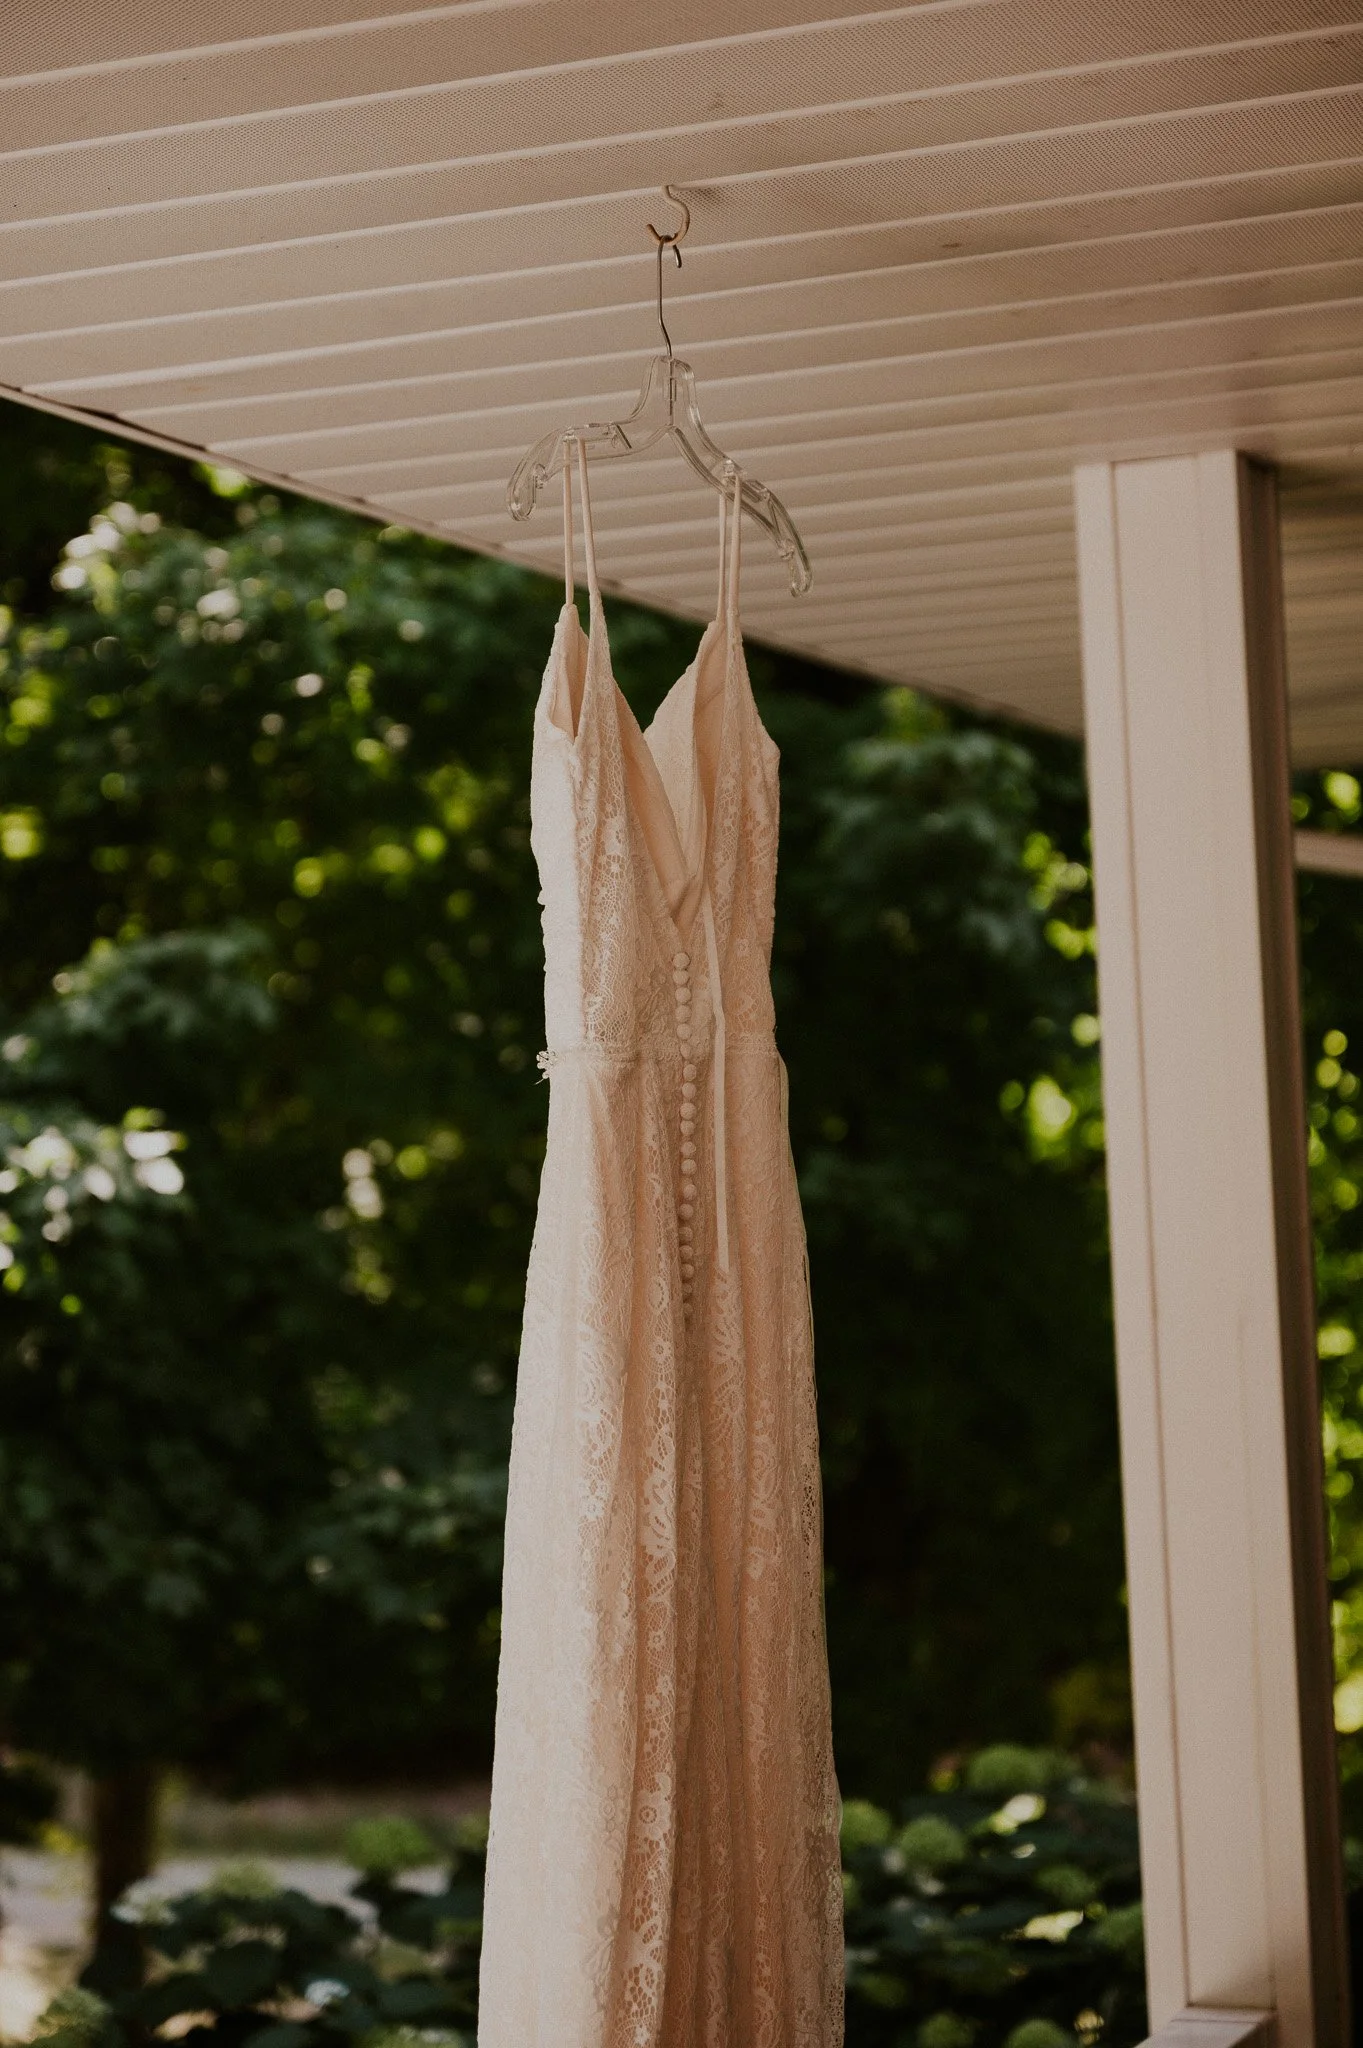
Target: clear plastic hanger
column 667, row 405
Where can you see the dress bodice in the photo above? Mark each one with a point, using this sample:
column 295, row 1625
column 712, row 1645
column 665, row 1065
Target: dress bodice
column 635, row 833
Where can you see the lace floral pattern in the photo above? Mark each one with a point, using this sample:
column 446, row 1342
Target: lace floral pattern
column 663, row 1867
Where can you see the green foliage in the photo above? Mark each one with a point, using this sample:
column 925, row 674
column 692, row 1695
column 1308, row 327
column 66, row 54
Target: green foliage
column 388, row 1845
column 170, row 1480
column 1007, row 1768
column 931, row 1843
column 56, row 473
column 273, row 1968
column 943, row 1067
column 988, row 1922
column 1039, row 2034
column 1331, row 912
column 864, row 1826
column 972, row 1924
column 239, row 1480
column 76, row 2018
column 173, row 1527
column 945, row 2030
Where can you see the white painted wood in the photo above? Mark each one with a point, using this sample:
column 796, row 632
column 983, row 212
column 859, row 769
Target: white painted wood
column 1215, row 2027
column 1330, row 853
column 938, row 247
column 1187, row 752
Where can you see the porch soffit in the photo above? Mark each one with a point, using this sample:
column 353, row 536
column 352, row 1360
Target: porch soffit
column 939, row 253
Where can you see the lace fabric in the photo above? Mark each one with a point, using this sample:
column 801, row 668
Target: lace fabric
column 663, row 1867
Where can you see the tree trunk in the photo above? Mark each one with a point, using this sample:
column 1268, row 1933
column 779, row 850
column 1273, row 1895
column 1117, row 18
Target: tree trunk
column 123, row 1810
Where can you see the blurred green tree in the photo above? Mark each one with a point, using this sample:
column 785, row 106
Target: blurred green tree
column 1331, row 910
column 265, row 883
column 936, row 1000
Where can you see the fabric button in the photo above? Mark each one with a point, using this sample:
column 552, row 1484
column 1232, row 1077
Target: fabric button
column 681, row 959
column 688, row 1152
column 685, row 1233
column 680, row 977
column 688, row 1272
column 686, row 1212
column 688, row 1091
column 689, row 1071
column 688, row 1191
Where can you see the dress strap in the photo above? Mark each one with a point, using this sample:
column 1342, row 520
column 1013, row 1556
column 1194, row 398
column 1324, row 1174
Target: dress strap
column 735, row 535
column 588, row 534
column 723, row 552
column 730, row 521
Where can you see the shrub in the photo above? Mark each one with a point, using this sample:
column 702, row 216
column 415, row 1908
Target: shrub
column 386, row 1846
column 1003, row 1913
column 931, row 1843
column 999, row 1913
column 1006, row 1768
column 246, row 1965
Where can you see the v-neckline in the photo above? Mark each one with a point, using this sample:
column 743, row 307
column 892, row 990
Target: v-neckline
column 635, row 737
column 636, row 748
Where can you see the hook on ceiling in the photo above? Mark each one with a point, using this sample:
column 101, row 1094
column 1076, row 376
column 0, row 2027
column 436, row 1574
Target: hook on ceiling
column 671, row 241
column 671, row 194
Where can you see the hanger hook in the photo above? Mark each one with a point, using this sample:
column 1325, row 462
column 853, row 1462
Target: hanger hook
column 671, row 194
column 669, row 242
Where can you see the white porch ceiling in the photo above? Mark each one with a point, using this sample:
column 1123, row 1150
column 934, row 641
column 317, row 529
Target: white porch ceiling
column 939, row 253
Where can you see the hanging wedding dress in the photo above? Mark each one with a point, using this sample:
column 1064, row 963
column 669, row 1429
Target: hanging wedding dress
column 663, row 1866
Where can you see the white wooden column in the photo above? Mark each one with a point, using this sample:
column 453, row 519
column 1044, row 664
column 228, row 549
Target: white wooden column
column 1185, row 710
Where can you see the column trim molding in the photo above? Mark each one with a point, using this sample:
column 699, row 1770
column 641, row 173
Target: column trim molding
column 1211, row 2026
column 1218, row 1390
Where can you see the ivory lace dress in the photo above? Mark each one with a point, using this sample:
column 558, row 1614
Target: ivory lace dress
column 663, row 1866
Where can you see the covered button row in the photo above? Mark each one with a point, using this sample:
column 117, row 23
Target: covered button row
column 681, row 982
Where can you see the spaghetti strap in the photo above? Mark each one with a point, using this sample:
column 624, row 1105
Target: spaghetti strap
column 588, row 534
column 723, row 554
column 730, row 521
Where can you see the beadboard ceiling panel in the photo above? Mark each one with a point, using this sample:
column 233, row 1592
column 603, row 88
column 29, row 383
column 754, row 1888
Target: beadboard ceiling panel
column 939, row 253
